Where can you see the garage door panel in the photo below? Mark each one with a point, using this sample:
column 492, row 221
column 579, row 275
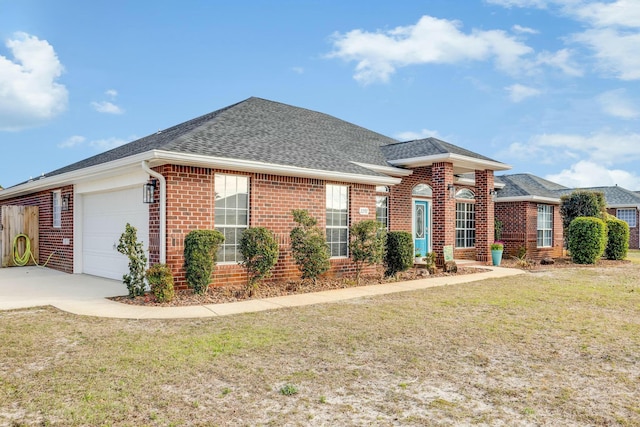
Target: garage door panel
column 105, row 216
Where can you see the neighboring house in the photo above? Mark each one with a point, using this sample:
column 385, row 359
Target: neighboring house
column 249, row 165
column 529, row 208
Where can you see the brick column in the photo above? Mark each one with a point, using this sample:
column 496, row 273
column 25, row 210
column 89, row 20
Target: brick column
column 443, row 228
column 484, row 215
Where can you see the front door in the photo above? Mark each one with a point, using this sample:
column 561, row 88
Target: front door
column 421, row 213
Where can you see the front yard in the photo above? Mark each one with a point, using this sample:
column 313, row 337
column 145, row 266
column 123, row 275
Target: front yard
column 558, row 347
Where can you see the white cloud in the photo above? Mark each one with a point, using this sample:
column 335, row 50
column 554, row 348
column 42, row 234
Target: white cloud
column 29, row 92
column 616, row 52
column 411, row 135
column 72, row 141
column 562, row 60
column 617, row 104
column 106, row 107
column 524, row 30
column 622, row 13
column 518, row 92
column 298, row 70
column 591, row 174
column 429, row 41
column 539, row 4
column 108, row 143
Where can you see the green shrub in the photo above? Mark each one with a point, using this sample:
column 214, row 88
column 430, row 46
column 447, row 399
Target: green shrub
column 587, row 239
column 581, row 203
column 430, row 262
column 497, row 229
column 399, row 253
column 309, row 246
column 129, row 246
column 367, row 244
column 200, row 249
column 161, row 282
column 617, row 238
column 259, row 250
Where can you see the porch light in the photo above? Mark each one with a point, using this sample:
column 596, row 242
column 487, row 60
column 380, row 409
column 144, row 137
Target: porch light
column 452, row 190
column 148, row 191
column 65, row 202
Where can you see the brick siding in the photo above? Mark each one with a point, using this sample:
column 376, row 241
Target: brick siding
column 634, row 232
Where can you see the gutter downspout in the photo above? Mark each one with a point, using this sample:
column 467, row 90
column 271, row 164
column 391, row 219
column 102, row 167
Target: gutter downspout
column 163, row 209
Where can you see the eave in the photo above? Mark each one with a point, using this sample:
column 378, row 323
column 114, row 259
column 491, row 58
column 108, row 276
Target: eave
column 461, row 164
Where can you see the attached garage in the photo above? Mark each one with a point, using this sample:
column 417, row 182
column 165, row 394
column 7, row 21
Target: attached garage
column 104, row 216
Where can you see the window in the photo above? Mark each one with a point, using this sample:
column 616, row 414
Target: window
column 628, row 216
column 545, row 226
column 422, row 190
column 337, row 220
column 56, row 207
column 465, row 193
column 465, row 225
column 382, row 206
column 231, row 213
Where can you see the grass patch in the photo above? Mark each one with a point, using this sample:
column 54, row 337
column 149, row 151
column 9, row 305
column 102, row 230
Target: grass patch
column 559, row 347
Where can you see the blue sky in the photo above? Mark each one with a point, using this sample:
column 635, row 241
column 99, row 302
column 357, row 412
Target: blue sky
column 550, row 87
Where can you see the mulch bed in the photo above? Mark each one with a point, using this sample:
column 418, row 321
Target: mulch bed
column 224, row 294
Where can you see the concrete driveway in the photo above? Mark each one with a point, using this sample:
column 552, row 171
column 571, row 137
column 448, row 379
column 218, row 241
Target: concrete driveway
column 22, row 287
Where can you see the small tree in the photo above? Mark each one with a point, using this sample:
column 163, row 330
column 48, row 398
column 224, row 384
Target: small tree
column 399, row 252
column 200, row 250
column 259, row 250
column 497, row 229
column 587, row 239
column 309, row 246
column 617, row 238
column 161, row 282
column 367, row 244
column 129, row 246
column 581, row 203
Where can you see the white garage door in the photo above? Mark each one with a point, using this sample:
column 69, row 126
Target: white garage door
column 104, row 218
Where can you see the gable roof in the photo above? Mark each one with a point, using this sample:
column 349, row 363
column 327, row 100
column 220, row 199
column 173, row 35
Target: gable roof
column 264, row 131
column 423, row 152
column 530, row 187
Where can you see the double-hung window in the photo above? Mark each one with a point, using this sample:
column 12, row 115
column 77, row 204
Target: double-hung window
column 628, row 216
column 56, row 208
column 465, row 220
column 231, row 213
column 545, row 226
column 338, row 220
column 382, row 206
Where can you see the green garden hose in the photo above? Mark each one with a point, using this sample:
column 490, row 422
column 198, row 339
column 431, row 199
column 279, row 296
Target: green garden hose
column 22, row 260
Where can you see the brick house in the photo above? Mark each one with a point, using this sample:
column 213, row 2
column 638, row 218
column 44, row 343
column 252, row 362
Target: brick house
column 529, row 209
column 248, row 165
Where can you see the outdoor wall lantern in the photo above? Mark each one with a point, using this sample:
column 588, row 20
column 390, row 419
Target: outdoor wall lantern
column 65, row 202
column 452, row 190
column 148, row 191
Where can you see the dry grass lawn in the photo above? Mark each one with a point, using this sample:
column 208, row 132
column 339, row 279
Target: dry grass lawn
column 554, row 348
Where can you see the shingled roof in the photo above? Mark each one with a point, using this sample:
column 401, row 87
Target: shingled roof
column 266, row 131
column 427, row 147
column 527, row 185
column 614, row 195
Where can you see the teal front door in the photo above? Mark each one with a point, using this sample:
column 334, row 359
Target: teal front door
column 421, row 226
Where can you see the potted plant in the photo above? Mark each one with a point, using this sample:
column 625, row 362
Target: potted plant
column 496, row 252
column 418, row 258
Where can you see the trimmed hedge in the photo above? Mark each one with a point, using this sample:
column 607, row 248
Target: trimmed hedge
column 617, row 239
column 161, row 282
column 259, row 250
column 581, row 203
column 399, row 253
column 200, row 249
column 309, row 246
column 587, row 239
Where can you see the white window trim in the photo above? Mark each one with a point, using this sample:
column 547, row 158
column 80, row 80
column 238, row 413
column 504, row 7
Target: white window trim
column 56, row 208
column 332, row 227
column 550, row 208
column 248, row 211
column 466, row 203
column 386, row 223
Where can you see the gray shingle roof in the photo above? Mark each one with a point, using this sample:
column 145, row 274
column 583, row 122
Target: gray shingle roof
column 266, row 131
column 427, row 147
column 524, row 184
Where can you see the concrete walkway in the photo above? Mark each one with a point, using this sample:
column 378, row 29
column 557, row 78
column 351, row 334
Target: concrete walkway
column 22, row 287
